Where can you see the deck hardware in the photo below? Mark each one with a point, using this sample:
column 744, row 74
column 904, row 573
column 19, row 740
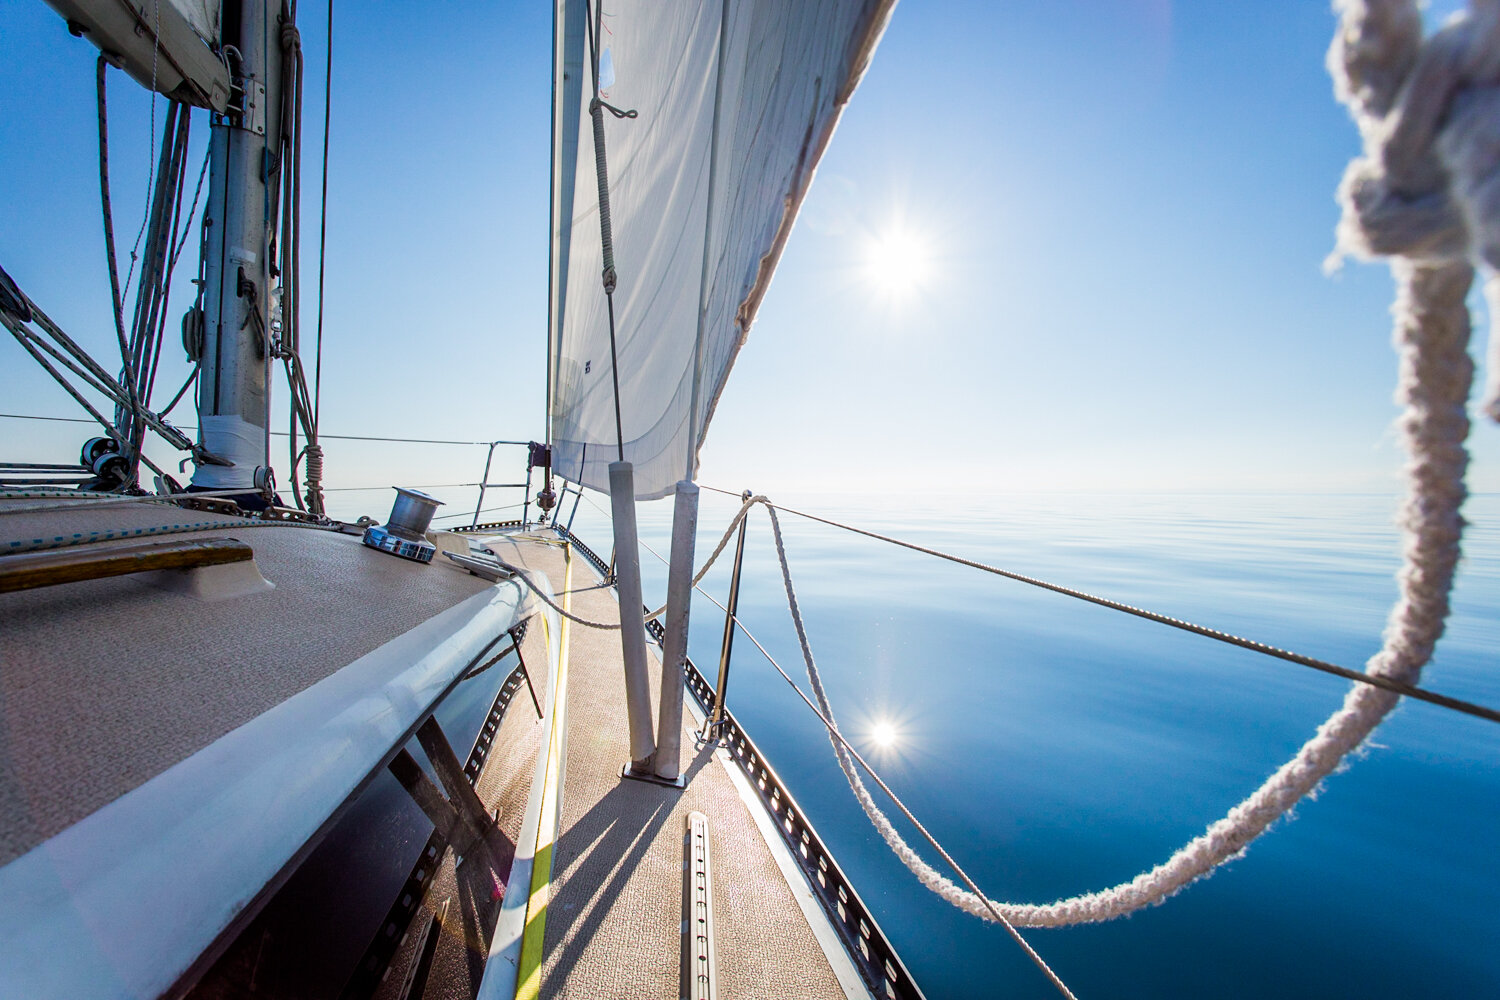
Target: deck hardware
column 415, row 982
column 699, row 971
column 541, row 454
column 46, row 569
column 713, row 729
column 485, row 485
column 254, row 117
column 469, row 529
column 479, row 566
column 404, row 534
column 875, row 959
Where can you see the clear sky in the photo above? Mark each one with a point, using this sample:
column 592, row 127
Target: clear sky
column 1116, row 212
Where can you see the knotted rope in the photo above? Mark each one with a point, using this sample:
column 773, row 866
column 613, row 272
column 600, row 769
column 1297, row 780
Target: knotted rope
column 1427, row 189
column 1427, row 193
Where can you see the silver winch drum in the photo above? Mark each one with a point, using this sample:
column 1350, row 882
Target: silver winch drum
column 405, row 533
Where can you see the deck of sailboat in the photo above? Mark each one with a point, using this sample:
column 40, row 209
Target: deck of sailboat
column 112, row 681
column 614, row 915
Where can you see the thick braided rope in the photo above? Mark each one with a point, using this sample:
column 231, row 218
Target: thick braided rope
column 718, row 549
column 1436, row 372
column 846, row 762
column 1427, row 188
column 1377, row 61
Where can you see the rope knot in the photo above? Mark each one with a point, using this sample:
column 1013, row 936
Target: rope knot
column 314, row 465
column 1427, row 188
column 291, row 38
column 596, row 105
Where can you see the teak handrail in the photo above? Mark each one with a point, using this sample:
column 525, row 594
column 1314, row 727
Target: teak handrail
column 46, row 569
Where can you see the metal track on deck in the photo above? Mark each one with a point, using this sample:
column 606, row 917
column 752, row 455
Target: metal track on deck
column 872, row 953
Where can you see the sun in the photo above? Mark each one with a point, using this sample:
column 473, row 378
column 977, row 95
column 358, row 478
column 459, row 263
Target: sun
column 884, row 734
column 898, row 262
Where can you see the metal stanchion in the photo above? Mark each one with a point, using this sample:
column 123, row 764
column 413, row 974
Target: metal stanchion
column 713, row 729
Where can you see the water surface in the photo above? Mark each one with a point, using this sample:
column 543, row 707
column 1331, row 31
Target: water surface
column 1057, row 747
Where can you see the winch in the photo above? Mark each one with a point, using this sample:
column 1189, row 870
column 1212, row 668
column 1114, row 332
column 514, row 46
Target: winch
column 405, row 533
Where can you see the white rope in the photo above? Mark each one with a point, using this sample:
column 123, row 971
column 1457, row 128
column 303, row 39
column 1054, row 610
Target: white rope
column 1424, row 115
column 1428, row 187
column 718, row 549
column 923, row 871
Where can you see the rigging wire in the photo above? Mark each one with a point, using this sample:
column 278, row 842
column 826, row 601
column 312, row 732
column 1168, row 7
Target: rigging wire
column 192, row 377
column 302, row 411
column 1374, row 680
column 1412, row 635
column 117, row 295
column 317, row 397
column 597, row 107
column 419, row 486
column 332, row 437
column 472, row 513
column 825, row 716
column 151, row 155
column 154, row 285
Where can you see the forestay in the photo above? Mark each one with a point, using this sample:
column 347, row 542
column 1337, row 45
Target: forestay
column 704, row 186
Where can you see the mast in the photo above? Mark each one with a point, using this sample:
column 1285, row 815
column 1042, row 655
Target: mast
column 234, row 383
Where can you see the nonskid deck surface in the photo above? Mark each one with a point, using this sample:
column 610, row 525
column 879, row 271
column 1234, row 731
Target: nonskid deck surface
column 106, row 683
column 614, row 922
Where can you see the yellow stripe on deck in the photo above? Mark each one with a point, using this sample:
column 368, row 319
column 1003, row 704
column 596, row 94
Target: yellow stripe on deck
column 529, row 973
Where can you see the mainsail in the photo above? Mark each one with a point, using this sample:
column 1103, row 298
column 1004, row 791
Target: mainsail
column 736, row 102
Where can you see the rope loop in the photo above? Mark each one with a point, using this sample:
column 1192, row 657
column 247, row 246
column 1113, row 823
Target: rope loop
column 1427, row 188
column 598, row 103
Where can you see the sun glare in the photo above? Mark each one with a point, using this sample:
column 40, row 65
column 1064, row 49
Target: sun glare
column 898, row 262
column 884, row 734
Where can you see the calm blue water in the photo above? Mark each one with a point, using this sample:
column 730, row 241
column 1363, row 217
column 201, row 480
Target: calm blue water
column 1056, row 747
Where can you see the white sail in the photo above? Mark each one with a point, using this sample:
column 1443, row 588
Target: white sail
column 704, row 186
column 203, row 15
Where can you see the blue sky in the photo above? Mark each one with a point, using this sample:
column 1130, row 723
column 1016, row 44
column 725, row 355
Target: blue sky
column 1125, row 206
